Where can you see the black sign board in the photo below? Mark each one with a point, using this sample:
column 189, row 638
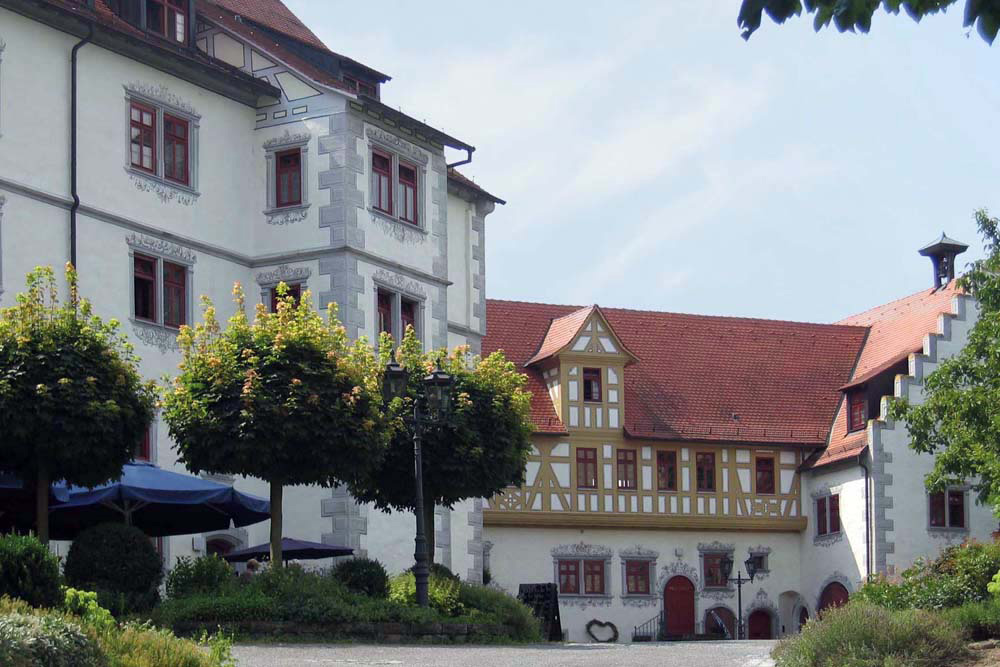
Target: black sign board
column 544, row 602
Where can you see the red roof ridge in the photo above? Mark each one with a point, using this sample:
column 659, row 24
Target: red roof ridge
column 950, row 287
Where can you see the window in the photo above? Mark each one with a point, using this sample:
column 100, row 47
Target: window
column 384, row 312
column 626, row 469
column 381, row 182
column 144, row 288
column 175, row 149
column 637, row 577
column 705, row 469
column 167, row 18
column 593, row 577
column 288, row 171
column 391, row 322
column 408, row 314
column 407, row 193
column 759, row 561
column 143, row 451
column 712, row 571
column 856, row 411
column 569, row 577
column 294, row 291
column 666, row 471
column 586, row 468
column 361, row 87
column 765, row 475
column 143, row 137
column 828, row 515
column 947, row 509
column 592, row 385
column 174, row 294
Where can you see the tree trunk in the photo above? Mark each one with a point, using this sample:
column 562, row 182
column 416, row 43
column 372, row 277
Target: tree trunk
column 429, row 529
column 42, row 505
column 276, row 494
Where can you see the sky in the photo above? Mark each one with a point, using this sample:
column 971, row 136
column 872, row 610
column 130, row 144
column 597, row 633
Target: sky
column 653, row 159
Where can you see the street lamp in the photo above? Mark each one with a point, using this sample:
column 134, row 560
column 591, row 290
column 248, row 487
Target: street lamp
column 727, row 569
column 430, row 409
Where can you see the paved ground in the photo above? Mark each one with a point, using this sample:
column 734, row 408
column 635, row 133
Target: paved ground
column 675, row 654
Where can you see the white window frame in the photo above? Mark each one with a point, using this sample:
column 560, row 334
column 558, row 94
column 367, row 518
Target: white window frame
column 161, row 108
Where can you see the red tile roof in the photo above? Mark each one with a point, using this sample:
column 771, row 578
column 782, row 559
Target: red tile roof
column 275, row 15
column 561, row 332
column 461, row 179
column 701, row 377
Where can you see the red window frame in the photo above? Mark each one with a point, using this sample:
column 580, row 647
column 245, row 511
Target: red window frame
column 174, row 295
column 407, row 193
column 586, row 468
column 666, row 470
column 593, row 577
column 712, row 570
column 765, row 474
column 705, row 471
column 294, row 291
column 956, row 506
column 144, row 132
column 938, row 510
column 569, row 577
column 856, row 416
column 834, row 507
column 382, row 182
column 288, row 178
column 407, row 315
column 592, row 385
column 143, row 451
column 637, row 577
column 384, row 306
column 172, row 140
column 943, row 509
column 170, row 11
column 626, row 470
column 144, row 281
column 828, row 515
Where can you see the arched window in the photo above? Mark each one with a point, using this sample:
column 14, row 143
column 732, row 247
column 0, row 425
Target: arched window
column 218, row 546
column 834, row 595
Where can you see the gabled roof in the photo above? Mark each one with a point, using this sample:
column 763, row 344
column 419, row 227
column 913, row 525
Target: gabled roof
column 698, row 377
column 275, row 15
column 563, row 330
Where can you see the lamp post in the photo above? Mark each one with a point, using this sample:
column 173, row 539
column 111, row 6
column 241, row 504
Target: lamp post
column 727, row 570
column 430, row 408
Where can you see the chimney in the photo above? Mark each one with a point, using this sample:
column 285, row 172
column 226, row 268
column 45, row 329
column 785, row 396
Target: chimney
column 942, row 253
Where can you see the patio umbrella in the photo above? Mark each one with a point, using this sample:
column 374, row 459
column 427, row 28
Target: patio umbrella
column 158, row 502
column 291, row 550
column 17, row 503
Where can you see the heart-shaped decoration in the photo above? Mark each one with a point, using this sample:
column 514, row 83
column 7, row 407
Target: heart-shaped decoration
column 604, row 632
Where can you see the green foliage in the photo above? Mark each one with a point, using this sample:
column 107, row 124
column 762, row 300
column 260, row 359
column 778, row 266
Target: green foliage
column 857, row 14
column 286, row 398
column 506, row 609
column 84, row 604
column 957, row 420
column 442, row 592
column 206, row 574
column 961, row 574
column 438, row 570
column 865, row 635
column 29, row 571
column 364, row 576
column 46, row 641
column 976, row 620
column 72, row 403
column 120, row 563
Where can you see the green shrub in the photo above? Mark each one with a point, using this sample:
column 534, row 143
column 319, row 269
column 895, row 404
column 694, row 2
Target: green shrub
column 439, row 570
column 29, row 571
column 205, row 575
column 865, row 635
column 505, row 609
column 84, row 604
column 976, row 620
column 119, row 563
column 364, row 576
column 293, row 582
column 442, row 592
column 46, row 641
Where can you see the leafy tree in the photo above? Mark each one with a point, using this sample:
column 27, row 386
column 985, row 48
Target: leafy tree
column 857, row 14
column 285, row 398
column 959, row 419
column 482, row 449
column 73, row 406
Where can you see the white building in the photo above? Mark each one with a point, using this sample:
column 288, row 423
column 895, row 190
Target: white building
column 667, row 442
column 171, row 148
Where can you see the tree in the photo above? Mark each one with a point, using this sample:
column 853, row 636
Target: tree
column 483, row 448
column 73, row 405
column 959, row 420
column 286, row 398
column 857, row 14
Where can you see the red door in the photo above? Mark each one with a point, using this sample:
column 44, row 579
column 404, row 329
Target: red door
column 834, row 595
column 759, row 625
column 678, row 600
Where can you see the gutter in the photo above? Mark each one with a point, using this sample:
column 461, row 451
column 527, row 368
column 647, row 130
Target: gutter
column 868, row 524
column 73, row 141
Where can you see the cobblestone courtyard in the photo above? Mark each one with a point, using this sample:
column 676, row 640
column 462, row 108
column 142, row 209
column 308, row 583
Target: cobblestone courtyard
column 690, row 654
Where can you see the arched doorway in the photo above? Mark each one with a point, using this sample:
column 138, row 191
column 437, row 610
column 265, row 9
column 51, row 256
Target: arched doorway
column 718, row 620
column 678, row 602
column 834, row 595
column 803, row 618
column 759, row 625
column 218, row 546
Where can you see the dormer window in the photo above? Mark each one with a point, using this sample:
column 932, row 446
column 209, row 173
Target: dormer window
column 856, row 410
column 361, row 87
column 168, row 18
column 592, row 385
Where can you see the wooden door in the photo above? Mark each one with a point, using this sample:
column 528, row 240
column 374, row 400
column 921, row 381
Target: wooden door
column 803, row 618
column 834, row 595
column 678, row 601
column 759, row 625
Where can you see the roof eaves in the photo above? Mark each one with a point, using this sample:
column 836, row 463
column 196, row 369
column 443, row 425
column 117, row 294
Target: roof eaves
column 421, row 130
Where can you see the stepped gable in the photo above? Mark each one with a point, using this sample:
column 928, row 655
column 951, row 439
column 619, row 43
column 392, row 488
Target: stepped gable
column 896, row 330
column 697, row 377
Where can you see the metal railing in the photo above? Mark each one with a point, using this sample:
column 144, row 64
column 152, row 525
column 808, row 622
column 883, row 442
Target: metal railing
column 651, row 630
